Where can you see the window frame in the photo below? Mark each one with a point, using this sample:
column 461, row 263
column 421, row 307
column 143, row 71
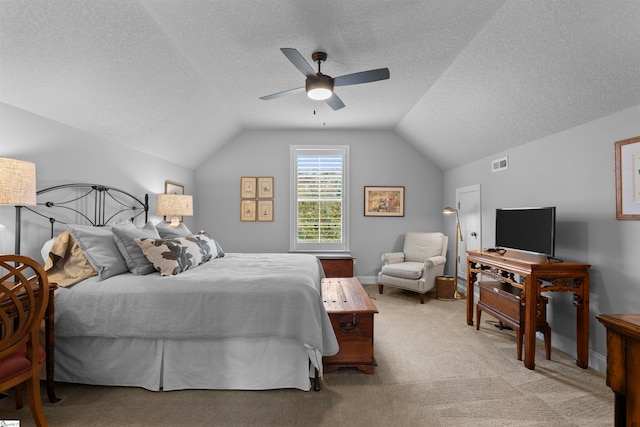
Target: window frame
column 294, row 245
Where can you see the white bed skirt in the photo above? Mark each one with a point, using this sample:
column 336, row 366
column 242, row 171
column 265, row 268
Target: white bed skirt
column 166, row 364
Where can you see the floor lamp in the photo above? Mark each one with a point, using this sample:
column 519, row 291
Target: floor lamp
column 449, row 211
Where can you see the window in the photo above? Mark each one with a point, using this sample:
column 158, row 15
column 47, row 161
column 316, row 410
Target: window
column 319, row 208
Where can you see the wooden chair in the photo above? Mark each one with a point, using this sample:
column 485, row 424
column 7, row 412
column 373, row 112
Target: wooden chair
column 24, row 294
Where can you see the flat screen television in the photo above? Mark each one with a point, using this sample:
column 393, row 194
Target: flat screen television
column 527, row 229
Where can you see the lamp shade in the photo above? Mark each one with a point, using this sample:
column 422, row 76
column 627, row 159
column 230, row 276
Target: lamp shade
column 175, row 205
column 448, row 211
column 17, row 182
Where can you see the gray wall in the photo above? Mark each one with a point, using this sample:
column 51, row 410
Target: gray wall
column 377, row 158
column 63, row 155
column 574, row 171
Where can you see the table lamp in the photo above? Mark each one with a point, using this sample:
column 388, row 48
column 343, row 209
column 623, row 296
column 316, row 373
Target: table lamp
column 17, row 188
column 175, row 205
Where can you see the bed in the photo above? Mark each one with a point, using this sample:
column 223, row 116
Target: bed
column 250, row 321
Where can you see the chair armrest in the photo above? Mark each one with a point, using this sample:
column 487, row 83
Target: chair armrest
column 434, row 260
column 393, row 257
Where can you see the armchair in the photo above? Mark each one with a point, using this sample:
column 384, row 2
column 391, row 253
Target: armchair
column 417, row 266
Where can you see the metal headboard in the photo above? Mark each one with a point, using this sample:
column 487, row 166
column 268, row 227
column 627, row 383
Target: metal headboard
column 102, row 204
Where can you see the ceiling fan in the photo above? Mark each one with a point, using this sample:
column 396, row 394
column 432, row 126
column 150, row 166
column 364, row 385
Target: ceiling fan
column 320, row 86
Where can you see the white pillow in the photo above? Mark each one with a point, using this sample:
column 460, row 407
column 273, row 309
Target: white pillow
column 46, row 248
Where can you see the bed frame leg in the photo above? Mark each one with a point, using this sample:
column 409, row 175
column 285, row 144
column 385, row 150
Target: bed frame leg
column 316, row 381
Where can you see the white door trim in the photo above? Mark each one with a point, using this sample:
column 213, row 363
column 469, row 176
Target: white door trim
column 470, row 225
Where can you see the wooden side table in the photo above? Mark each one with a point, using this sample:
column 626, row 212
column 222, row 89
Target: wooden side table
column 337, row 265
column 49, row 337
column 623, row 365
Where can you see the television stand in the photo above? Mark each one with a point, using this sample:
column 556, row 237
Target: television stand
column 540, row 275
column 554, row 259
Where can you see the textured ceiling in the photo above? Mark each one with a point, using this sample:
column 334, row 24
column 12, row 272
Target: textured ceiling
column 468, row 78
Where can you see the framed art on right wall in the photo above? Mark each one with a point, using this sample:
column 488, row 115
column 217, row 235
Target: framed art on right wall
column 627, row 163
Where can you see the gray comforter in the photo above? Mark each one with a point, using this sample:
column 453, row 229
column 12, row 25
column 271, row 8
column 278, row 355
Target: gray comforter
column 239, row 295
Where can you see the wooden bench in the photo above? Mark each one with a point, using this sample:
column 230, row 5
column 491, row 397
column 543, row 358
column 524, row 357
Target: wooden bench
column 502, row 301
column 351, row 313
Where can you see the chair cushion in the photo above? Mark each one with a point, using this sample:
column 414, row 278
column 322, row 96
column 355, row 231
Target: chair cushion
column 420, row 246
column 405, row 270
column 16, row 363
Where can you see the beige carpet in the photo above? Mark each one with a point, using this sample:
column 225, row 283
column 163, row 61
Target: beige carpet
column 434, row 370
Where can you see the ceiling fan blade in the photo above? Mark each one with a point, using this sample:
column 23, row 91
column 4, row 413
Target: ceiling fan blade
column 362, row 77
column 298, row 60
column 283, row 93
column 335, row 102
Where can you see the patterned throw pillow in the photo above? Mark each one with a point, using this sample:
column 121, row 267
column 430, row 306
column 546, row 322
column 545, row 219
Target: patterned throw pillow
column 215, row 248
column 174, row 256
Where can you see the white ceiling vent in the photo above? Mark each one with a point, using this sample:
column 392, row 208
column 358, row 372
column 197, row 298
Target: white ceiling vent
column 500, row 164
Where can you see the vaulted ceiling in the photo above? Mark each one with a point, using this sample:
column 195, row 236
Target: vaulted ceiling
column 468, row 78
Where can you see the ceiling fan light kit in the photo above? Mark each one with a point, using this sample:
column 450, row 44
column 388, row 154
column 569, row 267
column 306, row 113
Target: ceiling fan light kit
column 320, row 86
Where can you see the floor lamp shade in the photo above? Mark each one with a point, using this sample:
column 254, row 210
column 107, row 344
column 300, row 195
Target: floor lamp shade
column 17, row 182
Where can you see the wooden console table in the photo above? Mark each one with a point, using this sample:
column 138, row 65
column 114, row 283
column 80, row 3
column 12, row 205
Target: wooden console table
column 537, row 274
column 623, row 365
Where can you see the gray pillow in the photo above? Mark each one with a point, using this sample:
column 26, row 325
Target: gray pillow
column 124, row 234
column 170, row 233
column 99, row 246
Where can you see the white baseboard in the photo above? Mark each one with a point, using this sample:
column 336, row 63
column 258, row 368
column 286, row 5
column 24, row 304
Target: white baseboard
column 368, row 280
column 566, row 345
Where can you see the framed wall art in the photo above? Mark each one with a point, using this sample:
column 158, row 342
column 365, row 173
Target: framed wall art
column 248, row 187
column 265, row 210
column 627, row 163
column 265, row 187
column 247, row 210
column 173, row 188
column 383, row 201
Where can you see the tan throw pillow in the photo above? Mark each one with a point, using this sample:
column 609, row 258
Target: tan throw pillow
column 66, row 264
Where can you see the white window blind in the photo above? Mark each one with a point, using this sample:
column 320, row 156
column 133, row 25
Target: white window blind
column 319, row 198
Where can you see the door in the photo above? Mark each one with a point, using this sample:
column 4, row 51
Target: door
column 468, row 203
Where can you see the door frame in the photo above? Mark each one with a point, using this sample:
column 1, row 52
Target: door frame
column 464, row 226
